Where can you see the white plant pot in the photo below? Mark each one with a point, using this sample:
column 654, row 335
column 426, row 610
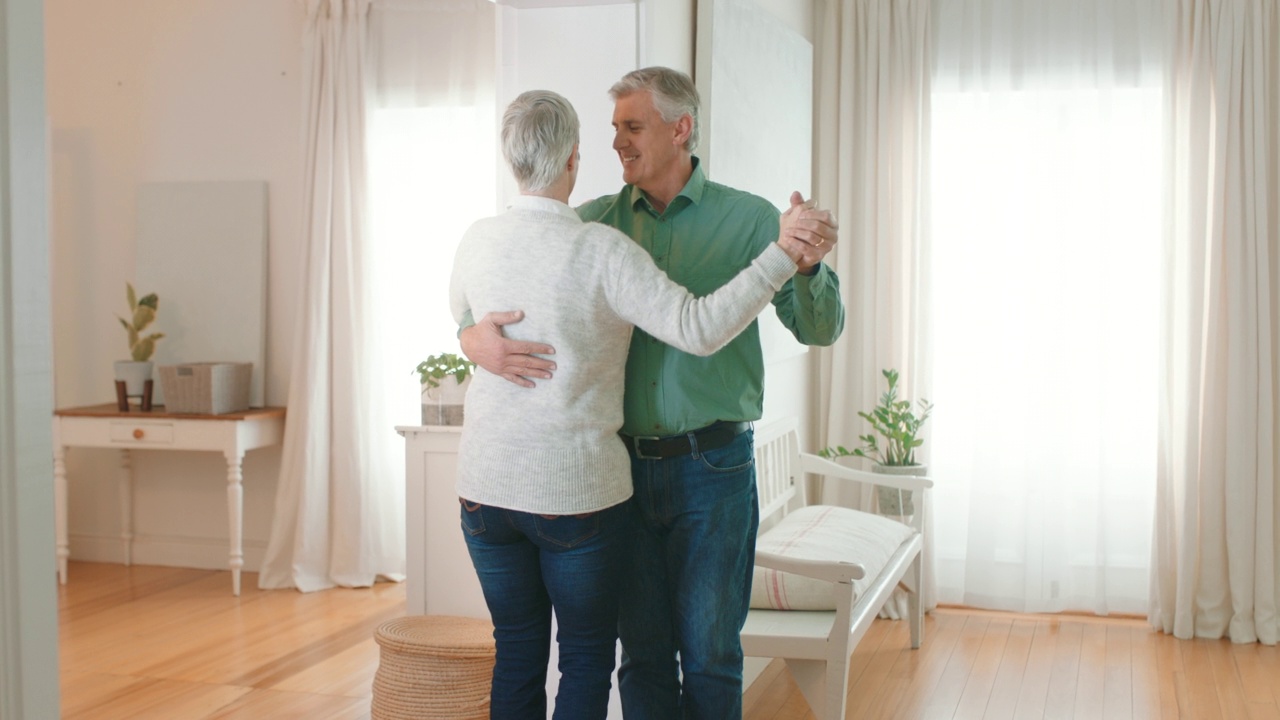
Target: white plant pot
column 443, row 405
column 893, row 501
column 135, row 374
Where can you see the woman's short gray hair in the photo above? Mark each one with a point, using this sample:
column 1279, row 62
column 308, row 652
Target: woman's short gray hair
column 539, row 130
column 673, row 92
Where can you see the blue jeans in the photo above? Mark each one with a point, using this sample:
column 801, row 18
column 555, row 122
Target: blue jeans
column 689, row 586
column 529, row 565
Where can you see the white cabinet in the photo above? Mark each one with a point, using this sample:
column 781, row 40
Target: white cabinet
column 440, row 578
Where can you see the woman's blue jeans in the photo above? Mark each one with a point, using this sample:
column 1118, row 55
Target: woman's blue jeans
column 529, row 565
column 689, row 588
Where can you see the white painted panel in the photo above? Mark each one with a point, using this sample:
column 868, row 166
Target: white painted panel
column 755, row 75
column 579, row 52
column 202, row 247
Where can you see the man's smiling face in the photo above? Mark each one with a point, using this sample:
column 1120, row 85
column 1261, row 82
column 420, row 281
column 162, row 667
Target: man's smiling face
column 648, row 146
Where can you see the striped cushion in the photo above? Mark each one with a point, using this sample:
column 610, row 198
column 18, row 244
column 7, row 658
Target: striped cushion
column 823, row 532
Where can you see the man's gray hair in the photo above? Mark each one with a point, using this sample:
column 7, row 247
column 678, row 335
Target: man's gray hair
column 674, row 94
column 539, row 130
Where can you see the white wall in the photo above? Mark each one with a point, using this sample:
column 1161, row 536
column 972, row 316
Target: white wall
column 548, row 48
column 155, row 90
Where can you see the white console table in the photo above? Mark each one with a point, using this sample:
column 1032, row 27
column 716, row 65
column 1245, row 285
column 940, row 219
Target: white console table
column 105, row 426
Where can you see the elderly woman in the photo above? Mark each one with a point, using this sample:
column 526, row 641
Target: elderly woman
column 543, row 477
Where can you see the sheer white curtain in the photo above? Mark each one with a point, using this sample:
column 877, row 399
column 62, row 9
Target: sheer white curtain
column 1217, row 542
column 433, row 166
column 872, row 80
column 339, row 518
column 1045, row 178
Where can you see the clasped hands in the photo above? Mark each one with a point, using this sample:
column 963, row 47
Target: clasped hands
column 806, row 233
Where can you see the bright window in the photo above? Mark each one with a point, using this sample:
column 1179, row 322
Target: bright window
column 431, row 173
column 1044, row 266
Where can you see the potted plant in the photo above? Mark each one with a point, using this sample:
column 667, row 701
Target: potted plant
column 444, row 378
column 137, row 370
column 899, row 426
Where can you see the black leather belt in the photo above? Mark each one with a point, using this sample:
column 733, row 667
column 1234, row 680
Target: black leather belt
column 711, row 437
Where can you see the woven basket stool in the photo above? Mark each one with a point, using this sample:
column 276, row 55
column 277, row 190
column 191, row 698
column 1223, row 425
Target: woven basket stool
column 433, row 667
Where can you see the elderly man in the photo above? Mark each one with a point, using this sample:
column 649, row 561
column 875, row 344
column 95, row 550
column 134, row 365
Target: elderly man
column 687, row 419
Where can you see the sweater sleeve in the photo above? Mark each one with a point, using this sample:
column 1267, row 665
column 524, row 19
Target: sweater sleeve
column 642, row 294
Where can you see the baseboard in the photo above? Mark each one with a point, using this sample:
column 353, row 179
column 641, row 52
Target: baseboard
column 198, row 553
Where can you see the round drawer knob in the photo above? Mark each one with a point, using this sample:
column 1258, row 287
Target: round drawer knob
column 137, row 433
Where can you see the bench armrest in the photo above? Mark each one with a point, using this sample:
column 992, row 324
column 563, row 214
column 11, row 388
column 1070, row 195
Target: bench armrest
column 829, row 570
column 811, row 463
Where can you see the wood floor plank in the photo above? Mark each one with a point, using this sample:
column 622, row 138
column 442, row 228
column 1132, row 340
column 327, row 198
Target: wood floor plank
column 349, row 673
column 982, row 671
column 1091, row 673
column 945, row 698
column 1060, row 699
column 1226, row 677
column 144, row 698
column 1117, row 674
column 1035, row 681
column 1145, row 672
column 259, row 704
column 1200, row 686
column 1012, row 673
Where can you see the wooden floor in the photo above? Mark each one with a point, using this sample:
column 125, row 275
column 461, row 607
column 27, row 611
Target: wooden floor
column 174, row 644
column 976, row 664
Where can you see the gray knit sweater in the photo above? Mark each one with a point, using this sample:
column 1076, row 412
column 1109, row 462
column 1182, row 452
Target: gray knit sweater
column 554, row 449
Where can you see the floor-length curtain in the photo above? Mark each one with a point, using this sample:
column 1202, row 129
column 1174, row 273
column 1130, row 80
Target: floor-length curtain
column 338, row 517
column 872, row 77
column 1216, row 552
column 1043, row 248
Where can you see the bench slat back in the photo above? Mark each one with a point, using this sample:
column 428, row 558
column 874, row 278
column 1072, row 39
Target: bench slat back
column 779, row 483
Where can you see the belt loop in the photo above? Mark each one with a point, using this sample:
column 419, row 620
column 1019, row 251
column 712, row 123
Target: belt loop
column 635, row 445
column 693, row 443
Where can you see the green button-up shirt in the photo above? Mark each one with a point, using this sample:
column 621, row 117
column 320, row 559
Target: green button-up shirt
column 706, row 235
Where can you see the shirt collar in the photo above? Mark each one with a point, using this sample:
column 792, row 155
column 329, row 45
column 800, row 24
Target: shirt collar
column 691, row 190
column 542, row 204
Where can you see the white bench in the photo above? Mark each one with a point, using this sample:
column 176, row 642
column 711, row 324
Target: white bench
column 844, row 561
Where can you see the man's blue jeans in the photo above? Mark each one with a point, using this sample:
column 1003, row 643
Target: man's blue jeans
column 529, row 564
column 689, row 586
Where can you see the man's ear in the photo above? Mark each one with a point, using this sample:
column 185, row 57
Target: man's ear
column 573, row 158
column 684, row 128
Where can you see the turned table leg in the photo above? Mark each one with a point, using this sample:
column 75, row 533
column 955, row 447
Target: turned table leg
column 235, row 515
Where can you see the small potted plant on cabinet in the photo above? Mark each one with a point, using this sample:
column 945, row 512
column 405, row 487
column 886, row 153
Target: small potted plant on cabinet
column 137, row 370
column 445, row 378
column 899, row 426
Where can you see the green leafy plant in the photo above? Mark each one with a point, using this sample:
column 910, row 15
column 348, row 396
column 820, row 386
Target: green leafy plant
column 895, row 421
column 436, row 367
column 142, row 312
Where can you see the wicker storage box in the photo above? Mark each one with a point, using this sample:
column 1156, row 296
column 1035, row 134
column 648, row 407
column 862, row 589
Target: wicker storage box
column 207, row 388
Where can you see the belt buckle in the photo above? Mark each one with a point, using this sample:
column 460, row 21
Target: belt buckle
column 635, row 445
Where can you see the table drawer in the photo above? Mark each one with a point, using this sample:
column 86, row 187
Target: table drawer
column 142, row 433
